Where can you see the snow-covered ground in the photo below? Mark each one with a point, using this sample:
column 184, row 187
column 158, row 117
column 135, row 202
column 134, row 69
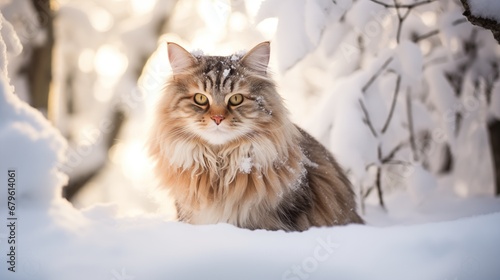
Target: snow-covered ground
column 427, row 232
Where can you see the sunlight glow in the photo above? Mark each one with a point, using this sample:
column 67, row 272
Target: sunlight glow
column 215, row 13
column 454, row 44
column 461, row 189
column 103, row 90
column 132, row 159
column 140, row 7
column 253, row 7
column 85, row 60
column 429, row 18
column 135, row 161
column 425, row 47
column 116, row 152
column 101, row 19
column 392, row 44
column 109, row 61
column 89, row 132
column 238, row 21
column 268, row 27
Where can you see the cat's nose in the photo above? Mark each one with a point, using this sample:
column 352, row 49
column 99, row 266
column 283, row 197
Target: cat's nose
column 217, row 119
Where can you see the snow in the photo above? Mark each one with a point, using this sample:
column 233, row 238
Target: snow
column 226, row 72
column 246, row 165
column 234, row 57
column 153, row 249
column 411, row 60
column 292, row 13
column 12, row 45
column 197, row 53
column 485, row 8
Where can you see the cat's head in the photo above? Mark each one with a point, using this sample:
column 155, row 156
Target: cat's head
column 220, row 99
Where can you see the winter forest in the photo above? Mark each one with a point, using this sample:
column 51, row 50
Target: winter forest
column 404, row 93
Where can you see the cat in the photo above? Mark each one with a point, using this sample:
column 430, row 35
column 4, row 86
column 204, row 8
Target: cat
column 226, row 150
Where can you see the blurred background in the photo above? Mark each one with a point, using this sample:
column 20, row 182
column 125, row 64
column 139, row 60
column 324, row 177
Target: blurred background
column 405, row 93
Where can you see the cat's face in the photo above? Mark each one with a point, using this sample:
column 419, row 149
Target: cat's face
column 221, row 99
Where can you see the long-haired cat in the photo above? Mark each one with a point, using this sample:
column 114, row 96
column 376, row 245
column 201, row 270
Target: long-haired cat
column 227, row 151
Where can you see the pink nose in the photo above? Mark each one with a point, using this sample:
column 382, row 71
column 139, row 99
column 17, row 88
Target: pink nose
column 217, row 119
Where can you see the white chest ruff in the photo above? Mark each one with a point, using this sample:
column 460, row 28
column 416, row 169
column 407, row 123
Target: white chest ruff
column 246, row 181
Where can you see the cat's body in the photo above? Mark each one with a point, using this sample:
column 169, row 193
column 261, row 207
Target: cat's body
column 227, row 151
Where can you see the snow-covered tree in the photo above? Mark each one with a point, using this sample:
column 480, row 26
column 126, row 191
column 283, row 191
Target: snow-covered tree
column 406, row 91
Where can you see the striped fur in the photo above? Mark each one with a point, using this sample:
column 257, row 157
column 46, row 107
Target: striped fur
column 256, row 169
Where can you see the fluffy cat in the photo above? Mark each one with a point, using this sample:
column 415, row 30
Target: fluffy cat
column 228, row 153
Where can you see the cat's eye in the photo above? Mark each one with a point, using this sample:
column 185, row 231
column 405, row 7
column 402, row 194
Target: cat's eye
column 200, row 99
column 236, row 100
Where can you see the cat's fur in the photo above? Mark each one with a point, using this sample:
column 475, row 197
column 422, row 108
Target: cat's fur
column 255, row 169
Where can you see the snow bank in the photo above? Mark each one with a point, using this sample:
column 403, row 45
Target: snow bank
column 142, row 248
column 29, row 144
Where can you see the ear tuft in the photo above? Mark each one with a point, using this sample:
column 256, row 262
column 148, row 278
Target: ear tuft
column 179, row 58
column 257, row 58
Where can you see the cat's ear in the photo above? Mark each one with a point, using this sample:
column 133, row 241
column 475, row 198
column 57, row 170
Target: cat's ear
column 179, row 58
column 257, row 58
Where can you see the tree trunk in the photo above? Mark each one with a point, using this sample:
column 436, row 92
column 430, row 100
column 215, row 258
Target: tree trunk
column 40, row 68
column 494, row 133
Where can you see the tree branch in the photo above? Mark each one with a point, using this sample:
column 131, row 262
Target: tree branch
column 391, row 155
column 409, row 113
column 368, row 191
column 435, row 32
column 397, row 161
column 375, row 76
column 393, row 105
column 401, row 19
column 399, row 6
column 486, row 23
column 378, row 185
column 426, row 35
column 367, row 118
column 40, row 63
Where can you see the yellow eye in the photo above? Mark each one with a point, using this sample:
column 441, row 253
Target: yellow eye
column 236, row 100
column 200, row 99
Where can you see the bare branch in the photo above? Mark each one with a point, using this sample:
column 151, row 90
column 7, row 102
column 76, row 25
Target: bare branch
column 375, row 76
column 459, row 21
column 399, row 6
column 426, row 35
column 411, row 130
column 368, row 191
column 435, row 32
column 367, row 119
column 393, row 106
column 378, row 185
column 401, row 19
column 487, row 23
column 397, row 161
column 370, row 166
column 391, row 155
